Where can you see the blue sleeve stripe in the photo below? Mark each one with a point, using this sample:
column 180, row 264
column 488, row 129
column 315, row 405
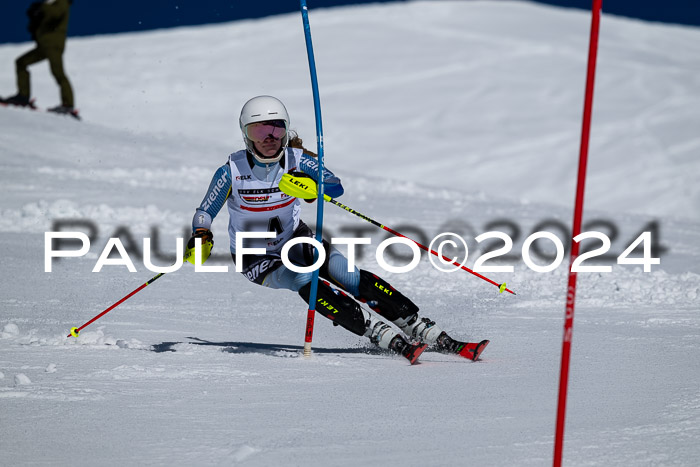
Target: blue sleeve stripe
column 218, row 192
column 332, row 187
column 309, row 166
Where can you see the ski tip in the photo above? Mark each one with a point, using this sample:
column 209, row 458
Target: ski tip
column 479, row 348
column 416, row 352
column 473, row 351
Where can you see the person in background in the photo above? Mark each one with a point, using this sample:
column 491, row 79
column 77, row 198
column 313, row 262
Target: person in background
column 247, row 185
column 48, row 25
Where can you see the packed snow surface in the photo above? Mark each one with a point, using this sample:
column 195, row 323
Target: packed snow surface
column 438, row 116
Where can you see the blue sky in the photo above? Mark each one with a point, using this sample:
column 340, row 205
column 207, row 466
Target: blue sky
column 88, row 18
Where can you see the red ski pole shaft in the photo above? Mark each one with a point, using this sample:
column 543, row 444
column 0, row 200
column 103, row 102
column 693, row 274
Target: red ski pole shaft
column 75, row 331
column 451, row 261
column 398, row 234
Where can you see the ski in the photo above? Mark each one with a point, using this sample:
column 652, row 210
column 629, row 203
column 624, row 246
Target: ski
column 32, row 106
column 413, row 351
column 470, row 350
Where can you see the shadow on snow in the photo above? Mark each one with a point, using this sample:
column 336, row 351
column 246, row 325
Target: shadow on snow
column 257, row 347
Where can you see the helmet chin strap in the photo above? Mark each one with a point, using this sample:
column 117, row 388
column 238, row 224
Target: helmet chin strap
column 268, row 160
column 263, row 159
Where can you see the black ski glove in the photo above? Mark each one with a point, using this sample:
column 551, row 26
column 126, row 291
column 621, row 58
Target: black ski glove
column 204, row 234
column 300, row 174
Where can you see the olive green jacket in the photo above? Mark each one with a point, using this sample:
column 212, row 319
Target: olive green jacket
column 52, row 26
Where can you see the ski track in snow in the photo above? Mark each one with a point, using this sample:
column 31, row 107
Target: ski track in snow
column 440, row 116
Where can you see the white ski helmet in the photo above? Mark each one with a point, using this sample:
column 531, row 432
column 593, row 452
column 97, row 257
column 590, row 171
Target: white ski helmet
column 262, row 109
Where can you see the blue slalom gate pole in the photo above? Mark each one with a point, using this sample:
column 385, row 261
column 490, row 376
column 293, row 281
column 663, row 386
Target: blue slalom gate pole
column 319, row 203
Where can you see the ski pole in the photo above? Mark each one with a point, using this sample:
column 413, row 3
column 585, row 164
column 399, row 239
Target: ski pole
column 189, row 256
column 301, row 188
column 76, row 331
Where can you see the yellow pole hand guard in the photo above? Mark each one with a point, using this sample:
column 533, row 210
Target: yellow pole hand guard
column 206, row 252
column 299, row 187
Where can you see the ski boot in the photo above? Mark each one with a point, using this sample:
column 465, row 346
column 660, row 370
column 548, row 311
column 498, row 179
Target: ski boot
column 18, row 101
column 425, row 330
column 387, row 338
column 64, row 110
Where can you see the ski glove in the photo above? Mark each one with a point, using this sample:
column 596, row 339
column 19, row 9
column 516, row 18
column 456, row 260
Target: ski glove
column 331, row 183
column 300, row 174
column 207, row 244
column 332, row 186
column 204, row 234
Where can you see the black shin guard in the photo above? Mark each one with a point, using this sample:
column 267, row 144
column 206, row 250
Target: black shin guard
column 337, row 306
column 383, row 298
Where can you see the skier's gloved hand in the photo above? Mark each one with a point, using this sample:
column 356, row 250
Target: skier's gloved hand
column 331, row 184
column 207, row 244
column 300, row 174
column 332, row 187
column 204, row 234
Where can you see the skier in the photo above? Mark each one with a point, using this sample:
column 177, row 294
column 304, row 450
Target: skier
column 248, row 183
column 48, row 25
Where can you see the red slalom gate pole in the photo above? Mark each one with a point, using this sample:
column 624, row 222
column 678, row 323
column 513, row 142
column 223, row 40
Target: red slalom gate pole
column 576, row 230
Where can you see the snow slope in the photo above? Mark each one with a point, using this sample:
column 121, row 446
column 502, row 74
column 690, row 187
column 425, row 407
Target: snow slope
column 460, row 116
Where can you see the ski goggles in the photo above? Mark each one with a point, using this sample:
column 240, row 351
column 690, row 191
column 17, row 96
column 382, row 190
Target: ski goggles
column 260, row 131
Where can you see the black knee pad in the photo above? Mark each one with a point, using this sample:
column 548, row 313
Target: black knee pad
column 390, row 303
column 337, row 306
